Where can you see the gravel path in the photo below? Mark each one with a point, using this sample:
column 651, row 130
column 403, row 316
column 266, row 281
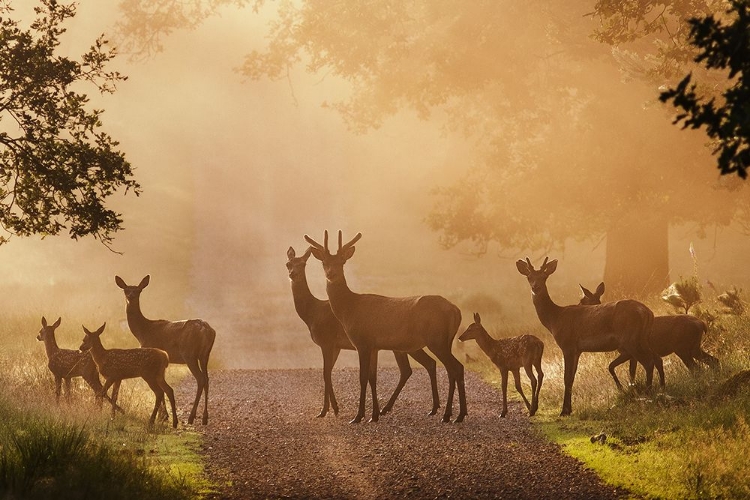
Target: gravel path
column 263, row 441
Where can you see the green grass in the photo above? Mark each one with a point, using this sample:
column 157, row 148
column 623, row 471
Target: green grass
column 74, row 449
column 690, row 441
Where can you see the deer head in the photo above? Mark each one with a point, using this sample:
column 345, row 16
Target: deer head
column 592, row 298
column 296, row 265
column 132, row 292
column 333, row 265
column 537, row 277
column 91, row 339
column 47, row 330
column 473, row 330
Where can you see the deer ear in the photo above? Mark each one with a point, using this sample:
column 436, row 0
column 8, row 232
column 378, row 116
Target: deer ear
column 86, row 330
column 120, row 282
column 100, row 330
column 57, row 323
column 523, row 268
column 317, row 253
column 550, row 267
column 477, row 319
column 586, row 292
column 307, row 253
column 347, row 253
column 600, row 289
column 44, row 321
column 144, row 282
column 290, row 254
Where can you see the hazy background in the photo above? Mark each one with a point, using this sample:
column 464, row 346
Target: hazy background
column 233, row 173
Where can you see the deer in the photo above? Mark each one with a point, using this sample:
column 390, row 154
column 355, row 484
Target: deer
column 623, row 325
column 375, row 322
column 509, row 355
column 188, row 342
column 681, row 334
column 116, row 365
column 329, row 335
column 65, row 364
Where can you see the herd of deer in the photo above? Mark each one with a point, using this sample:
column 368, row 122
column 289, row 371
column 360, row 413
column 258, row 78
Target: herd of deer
column 406, row 325
column 162, row 342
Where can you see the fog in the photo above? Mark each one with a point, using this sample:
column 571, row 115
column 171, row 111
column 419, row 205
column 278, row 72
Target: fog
column 234, row 172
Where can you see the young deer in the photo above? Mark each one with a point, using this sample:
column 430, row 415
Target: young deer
column 327, row 332
column 66, row 364
column 187, row 342
column 621, row 325
column 509, row 355
column 374, row 323
column 115, row 365
column 681, row 334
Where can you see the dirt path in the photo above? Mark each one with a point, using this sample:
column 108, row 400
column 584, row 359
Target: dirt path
column 264, row 441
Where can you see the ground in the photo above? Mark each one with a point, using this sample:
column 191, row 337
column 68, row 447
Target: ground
column 264, row 441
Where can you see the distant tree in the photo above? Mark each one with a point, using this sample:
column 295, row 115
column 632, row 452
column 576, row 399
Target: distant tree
column 722, row 46
column 564, row 148
column 57, row 167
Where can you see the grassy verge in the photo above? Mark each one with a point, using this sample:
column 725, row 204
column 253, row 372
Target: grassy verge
column 689, row 441
column 74, row 449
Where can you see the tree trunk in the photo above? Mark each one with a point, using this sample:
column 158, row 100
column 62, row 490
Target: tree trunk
column 637, row 258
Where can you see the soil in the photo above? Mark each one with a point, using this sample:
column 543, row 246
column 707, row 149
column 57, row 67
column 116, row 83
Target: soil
column 263, row 440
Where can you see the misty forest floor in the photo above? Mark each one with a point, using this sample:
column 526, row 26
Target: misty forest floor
column 263, row 441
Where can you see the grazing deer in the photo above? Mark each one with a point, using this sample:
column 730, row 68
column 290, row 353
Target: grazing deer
column 327, row 332
column 680, row 334
column 621, row 325
column 187, row 342
column 509, row 355
column 374, row 323
column 115, row 365
column 68, row 363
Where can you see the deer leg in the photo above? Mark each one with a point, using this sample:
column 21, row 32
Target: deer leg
column 534, row 401
column 327, row 384
column 455, row 379
column 632, row 367
column 540, row 377
column 429, row 363
column 334, row 403
column 159, row 394
column 373, row 385
column 504, row 386
column 364, row 375
column 58, row 388
column 192, row 365
column 519, row 389
column 67, row 390
column 404, row 368
column 203, row 359
column 571, row 366
column 166, row 388
column 624, row 356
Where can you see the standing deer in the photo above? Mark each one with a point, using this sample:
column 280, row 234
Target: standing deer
column 623, row 325
column 115, row 365
column 327, row 332
column 681, row 334
column 509, row 355
column 374, row 323
column 68, row 363
column 188, row 342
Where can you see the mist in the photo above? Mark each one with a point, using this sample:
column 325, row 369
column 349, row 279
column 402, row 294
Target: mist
column 235, row 172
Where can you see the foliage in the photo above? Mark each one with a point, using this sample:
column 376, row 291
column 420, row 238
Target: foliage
column 57, row 167
column 723, row 46
column 683, row 294
column 732, row 301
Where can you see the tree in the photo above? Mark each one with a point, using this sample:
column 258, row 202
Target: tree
column 722, row 46
column 564, row 149
column 57, row 167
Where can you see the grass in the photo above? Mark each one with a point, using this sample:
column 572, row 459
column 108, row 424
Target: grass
column 689, row 441
column 74, row 449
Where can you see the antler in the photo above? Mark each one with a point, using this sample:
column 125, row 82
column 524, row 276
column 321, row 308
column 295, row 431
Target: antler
column 531, row 266
column 352, row 242
column 318, row 245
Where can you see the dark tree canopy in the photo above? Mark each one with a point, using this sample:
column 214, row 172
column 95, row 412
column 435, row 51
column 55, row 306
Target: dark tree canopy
column 57, row 167
column 723, row 46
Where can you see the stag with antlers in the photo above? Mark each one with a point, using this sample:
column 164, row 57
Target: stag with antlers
column 374, row 322
column 329, row 335
column 623, row 325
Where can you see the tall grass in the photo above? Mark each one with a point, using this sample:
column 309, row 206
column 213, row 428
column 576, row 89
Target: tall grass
column 74, row 449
